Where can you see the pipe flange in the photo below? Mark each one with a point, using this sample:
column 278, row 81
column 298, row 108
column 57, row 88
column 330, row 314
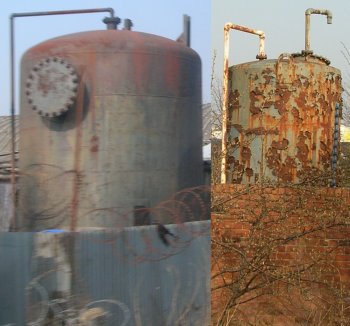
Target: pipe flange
column 51, row 87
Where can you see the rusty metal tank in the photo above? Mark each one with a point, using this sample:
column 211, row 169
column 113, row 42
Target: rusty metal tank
column 281, row 118
column 110, row 121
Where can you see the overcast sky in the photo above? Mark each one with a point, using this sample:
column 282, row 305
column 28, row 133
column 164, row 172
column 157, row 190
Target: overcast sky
column 284, row 25
column 158, row 17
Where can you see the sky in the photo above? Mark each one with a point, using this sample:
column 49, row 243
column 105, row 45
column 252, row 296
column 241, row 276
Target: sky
column 284, row 25
column 164, row 18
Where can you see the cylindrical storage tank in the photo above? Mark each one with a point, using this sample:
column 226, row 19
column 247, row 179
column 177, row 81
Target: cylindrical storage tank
column 281, row 117
column 110, row 121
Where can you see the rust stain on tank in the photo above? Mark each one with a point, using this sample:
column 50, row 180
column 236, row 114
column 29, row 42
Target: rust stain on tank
column 280, row 145
column 295, row 113
column 273, row 158
column 255, row 131
column 268, row 78
column 284, row 171
column 302, row 149
column 261, row 131
column 325, row 153
column 254, row 99
column 230, row 159
column 282, row 97
column 238, row 169
column 246, row 153
column 267, row 70
column 233, row 103
column 323, row 146
column 238, row 127
column 249, row 172
column 234, row 100
column 94, row 144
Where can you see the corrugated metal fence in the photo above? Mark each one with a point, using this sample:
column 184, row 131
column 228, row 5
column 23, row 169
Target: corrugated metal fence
column 116, row 277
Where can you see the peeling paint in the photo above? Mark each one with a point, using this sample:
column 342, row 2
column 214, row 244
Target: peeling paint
column 286, row 107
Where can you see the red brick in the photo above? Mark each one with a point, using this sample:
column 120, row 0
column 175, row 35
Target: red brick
column 330, row 246
column 345, row 276
column 285, row 255
column 343, row 264
column 343, row 258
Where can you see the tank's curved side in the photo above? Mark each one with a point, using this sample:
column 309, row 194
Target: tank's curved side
column 281, row 119
column 132, row 137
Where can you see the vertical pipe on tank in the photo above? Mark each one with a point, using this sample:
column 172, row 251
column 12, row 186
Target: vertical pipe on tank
column 261, row 56
column 187, row 29
column 127, row 24
column 185, row 36
column 13, row 126
column 308, row 13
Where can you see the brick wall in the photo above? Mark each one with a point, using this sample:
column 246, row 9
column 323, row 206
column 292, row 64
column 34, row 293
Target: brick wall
column 281, row 254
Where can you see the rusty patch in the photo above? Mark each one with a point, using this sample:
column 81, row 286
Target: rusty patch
column 323, row 146
column 268, row 78
column 238, row 127
column 284, row 171
column 254, row 131
column 282, row 97
column 322, row 101
column 234, row 100
column 249, row 172
column 255, row 101
column 246, row 153
column 302, row 149
column 230, row 75
column 273, row 158
column 295, row 113
column 280, row 145
column 261, row 131
column 233, row 103
column 94, row 144
column 325, row 153
column 267, row 104
column 236, row 170
column 267, row 70
column 306, row 83
column 297, row 83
